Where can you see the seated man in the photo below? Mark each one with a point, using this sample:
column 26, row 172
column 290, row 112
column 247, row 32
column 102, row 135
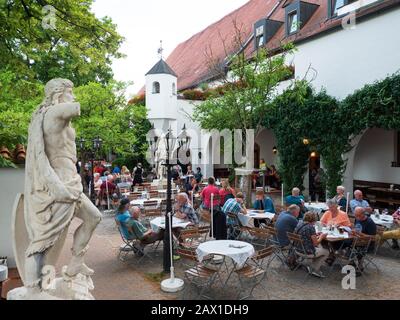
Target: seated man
column 296, row 199
column 133, row 229
column 359, row 201
column 264, row 204
column 286, row 222
column 184, row 209
column 235, row 206
column 365, row 225
column 334, row 216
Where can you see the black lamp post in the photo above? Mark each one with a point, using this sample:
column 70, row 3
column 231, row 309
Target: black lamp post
column 170, row 145
column 91, row 152
column 183, row 141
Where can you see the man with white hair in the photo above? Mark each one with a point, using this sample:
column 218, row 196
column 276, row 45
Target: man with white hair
column 184, row 209
column 297, row 199
column 359, row 201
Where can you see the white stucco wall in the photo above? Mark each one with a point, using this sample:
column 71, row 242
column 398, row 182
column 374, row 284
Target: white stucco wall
column 374, row 156
column 12, row 183
column 346, row 60
column 266, row 140
column 161, row 105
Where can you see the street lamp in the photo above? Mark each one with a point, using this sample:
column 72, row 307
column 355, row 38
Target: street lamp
column 183, row 141
column 91, row 152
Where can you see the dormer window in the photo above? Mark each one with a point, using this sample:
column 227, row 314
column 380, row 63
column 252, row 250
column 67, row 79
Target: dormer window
column 293, row 22
column 297, row 15
column 335, row 6
column 156, row 87
column 264, row 30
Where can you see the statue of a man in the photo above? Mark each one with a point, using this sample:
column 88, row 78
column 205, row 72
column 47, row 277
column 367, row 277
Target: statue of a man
column 53, row 188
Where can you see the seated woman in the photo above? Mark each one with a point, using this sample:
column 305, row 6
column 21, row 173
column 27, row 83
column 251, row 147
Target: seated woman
column 226, row 192
column 312, row 243
column 341, row 197
column 334, row 216
column 263, row 204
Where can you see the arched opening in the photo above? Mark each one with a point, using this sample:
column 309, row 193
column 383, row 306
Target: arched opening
column 374, row 171
column 156, row 87
column 257, row 158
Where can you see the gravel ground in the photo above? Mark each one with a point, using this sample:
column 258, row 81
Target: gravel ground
column 117, row 280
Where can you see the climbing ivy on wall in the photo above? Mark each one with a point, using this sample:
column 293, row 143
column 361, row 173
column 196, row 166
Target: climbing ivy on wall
column 328, row 125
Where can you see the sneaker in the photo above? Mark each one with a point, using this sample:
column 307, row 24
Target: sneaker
column 318, row 274
column 395, row 246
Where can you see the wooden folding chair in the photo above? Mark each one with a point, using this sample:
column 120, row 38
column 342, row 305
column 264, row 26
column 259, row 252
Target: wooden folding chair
column 254, row 272
column 191, row 238
column 236, row 229
column 298, row 250
column 280, row 252
column 150, row 211
column 134, row 196
column 130, row 245
column 199, row 276
column 259, row 237
column 153, row 194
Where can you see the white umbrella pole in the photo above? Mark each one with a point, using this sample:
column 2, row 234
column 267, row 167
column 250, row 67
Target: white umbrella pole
column 171, row 284
column 347, row 202
column 108, row 197
column 282, row 195
column 170, row 246
column 212, row 215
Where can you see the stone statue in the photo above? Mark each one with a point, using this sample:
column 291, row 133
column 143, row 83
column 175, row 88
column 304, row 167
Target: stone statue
column 160, row 156
column 53, row 197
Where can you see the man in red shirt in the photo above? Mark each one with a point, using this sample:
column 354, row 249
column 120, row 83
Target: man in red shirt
column 206, row 195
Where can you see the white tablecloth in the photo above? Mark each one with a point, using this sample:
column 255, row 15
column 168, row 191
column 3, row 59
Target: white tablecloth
column 238, row 251
column 245, row 219
column 316, row 207
column 159, row 223
column 140, row 202
column 383, row 220
column 334, row 234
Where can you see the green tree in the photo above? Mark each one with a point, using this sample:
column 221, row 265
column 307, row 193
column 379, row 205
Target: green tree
column 80, row 47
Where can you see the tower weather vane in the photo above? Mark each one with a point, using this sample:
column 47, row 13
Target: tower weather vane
column 160, row 50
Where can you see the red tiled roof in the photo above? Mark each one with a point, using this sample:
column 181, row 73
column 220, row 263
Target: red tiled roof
column 190, row 59
column 190, row 62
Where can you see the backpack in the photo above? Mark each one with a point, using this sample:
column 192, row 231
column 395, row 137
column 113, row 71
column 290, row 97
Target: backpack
column 228, row 196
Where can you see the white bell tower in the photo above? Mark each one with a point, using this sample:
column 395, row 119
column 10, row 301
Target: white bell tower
column 161, row 95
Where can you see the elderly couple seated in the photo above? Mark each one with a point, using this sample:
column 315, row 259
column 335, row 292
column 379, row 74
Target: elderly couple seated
column 133, row 229
column 288, row 221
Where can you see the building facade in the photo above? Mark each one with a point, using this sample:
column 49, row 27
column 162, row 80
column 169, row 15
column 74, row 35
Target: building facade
column 342, row 45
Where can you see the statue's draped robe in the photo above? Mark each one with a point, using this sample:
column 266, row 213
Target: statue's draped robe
column 46, row 216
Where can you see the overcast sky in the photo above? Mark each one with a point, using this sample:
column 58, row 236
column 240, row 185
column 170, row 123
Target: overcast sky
column 144, row 23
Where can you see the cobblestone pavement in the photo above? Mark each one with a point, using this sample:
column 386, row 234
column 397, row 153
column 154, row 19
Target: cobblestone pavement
column 127, row 280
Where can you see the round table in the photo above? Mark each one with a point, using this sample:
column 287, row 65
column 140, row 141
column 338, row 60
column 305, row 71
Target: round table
column 383, row 220
column 140, row 202
column 159, row 223
column 238, row 251
column 246, row 218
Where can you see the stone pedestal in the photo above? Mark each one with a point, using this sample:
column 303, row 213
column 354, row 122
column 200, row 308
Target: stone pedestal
column 243, row 181
column 63, row 288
